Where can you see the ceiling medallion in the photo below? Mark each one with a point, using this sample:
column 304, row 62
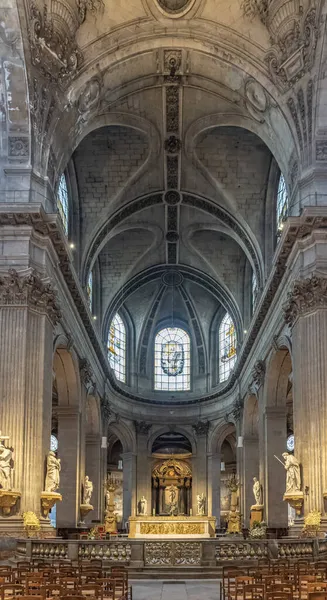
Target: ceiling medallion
column 175, row 8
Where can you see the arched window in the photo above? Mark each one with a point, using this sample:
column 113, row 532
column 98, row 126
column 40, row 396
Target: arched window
column 281, row 205
column 117, row 347
column 172, row 361
column 89, row 288
column 227, row 347
column 62, row 202
column 255, row 290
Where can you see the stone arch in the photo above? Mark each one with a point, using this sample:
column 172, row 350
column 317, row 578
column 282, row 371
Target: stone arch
column 161, row 430
column 220, row 433
column 124, row 433
column 65, row 366
column 251, row 417
column 278, row 370
column 92, row 415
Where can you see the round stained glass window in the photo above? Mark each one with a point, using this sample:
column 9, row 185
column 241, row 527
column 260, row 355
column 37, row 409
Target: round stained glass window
column 290, row 443
column 53, row 443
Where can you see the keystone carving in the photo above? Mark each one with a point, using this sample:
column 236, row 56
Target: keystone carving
column 258, row 373
column 86, row 372
column 142, row 427
column 307, row 295
column 29, row 289
column 201, row 428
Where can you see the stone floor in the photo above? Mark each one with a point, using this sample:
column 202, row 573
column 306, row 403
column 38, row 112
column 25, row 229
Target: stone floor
column 192, row 589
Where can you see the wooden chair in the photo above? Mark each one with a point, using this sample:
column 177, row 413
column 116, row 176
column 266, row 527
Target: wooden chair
column 91, row 591
column 108, row 586
column 278, row 596
column 29, row 597
column 317, row 586
column 304, row 580
column 281, row 588
column 69, row 584
column 10, row 591
column 54, row 591
column 317, row 596
column 254, row 591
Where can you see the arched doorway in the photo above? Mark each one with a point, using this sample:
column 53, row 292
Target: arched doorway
column 171, row 475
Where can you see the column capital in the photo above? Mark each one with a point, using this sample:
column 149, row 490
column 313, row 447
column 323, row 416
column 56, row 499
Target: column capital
column 306, row 296
column 26, row 288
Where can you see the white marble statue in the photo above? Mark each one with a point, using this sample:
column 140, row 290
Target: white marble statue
column 87, row 490
column 143, row 506
column 5, row 467
column 201, row 504
column 171, row 499
column 52, row 478
column 257, row 491
column 293, row 475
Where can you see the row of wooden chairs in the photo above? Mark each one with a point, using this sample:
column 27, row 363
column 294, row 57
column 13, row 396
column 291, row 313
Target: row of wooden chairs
column 281, row 580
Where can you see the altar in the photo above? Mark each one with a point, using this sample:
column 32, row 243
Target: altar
column 169, row 527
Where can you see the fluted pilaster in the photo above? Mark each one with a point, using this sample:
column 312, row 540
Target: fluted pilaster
column 28, row 310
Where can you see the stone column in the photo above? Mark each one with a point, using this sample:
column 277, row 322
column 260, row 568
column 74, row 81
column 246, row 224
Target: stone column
column 274, row 430
column 93, row 470
column 214, row 467
column 250, row 470
column 143, row 477
column 69, row 439
column 199, row 470
column 28, row 312
column 306, row 313
column 129, row 486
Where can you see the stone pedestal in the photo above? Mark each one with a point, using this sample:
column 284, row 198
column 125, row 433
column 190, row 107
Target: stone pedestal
column 85, row 509
column 256, row 514
column 48, row 500
column 8, row 499
column 295, row 500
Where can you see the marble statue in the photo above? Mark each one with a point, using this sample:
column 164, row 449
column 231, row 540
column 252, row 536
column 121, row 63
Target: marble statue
column 143, row 506
column 293, row 475
column 5, row 467
column 52, row 478
column 257, row 491
column 201, row 504
column 171, row 499
column 87, row 490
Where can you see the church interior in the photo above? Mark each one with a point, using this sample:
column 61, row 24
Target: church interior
column 163, row 299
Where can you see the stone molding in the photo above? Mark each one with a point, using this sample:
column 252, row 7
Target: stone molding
column 105, row 409
column 306, row 296
column 85, row 372
column 28, row 289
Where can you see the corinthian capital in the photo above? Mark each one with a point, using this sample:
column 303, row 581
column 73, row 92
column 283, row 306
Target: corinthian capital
column 306, row 296
column 29, row 289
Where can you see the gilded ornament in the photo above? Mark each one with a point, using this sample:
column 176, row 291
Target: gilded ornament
column 8, row 500
column 48, row 500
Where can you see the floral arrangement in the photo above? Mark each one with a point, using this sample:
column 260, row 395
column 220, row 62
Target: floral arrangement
column 258, row 530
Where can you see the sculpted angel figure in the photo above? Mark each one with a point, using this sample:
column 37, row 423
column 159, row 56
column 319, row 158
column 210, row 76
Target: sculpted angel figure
column 293, row 475
column 87, row 490
column 201, row 503
column 52, row 478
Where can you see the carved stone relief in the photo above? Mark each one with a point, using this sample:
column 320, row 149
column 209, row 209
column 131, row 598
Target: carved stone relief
column 306, row 295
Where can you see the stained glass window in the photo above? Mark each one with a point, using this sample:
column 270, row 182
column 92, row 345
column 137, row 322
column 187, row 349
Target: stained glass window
column 172, row 364
column 117, row 347
column 282, row 204
column 255, row 290
column 227, row 347
column 62, row 202
column 89, row 288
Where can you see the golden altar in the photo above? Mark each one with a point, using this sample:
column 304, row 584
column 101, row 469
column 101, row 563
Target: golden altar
column 168, row 527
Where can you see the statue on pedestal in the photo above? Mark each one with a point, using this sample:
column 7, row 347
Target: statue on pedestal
column 87, row 490
column 201, row 504
column 171, row 499
column 6, row 467
column 257, row 492
column 143, row 506
column 52, row 478
column 293, row 475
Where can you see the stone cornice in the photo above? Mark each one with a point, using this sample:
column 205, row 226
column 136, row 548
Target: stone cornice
column 28, row 289
column 306, row 296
